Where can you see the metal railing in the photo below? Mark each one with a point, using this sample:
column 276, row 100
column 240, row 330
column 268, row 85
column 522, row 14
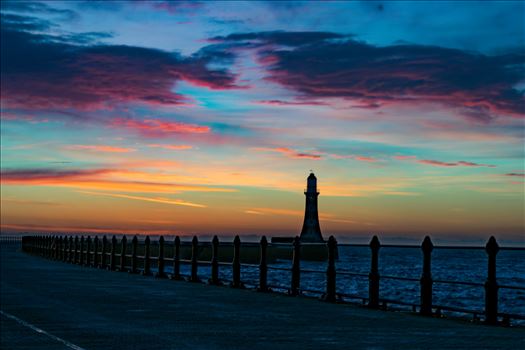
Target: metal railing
column 5, row 239
column 107, row 254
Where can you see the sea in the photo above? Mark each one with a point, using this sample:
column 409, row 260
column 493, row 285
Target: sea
column 463, row 265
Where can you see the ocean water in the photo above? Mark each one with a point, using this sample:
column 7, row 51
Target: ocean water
column 465, row 265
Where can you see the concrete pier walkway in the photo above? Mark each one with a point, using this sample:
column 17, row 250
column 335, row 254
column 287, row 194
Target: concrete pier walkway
column 53, row 305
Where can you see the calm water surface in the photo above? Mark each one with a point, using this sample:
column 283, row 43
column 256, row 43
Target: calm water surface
column 447, row 264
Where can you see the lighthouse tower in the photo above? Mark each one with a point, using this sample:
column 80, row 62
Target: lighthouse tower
column 311, row 231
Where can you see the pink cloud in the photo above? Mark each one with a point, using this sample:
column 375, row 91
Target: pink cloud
column 290, row 152
column 515, row 174
column 404, row 157
column 435, row 162
column 95, row 76
column 441, row 163
column 290, row 103
column 459, row 163
column 355, row 157
column 157, row 127
column 316, row 66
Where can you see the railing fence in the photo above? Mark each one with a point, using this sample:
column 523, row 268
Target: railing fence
column 80, row 251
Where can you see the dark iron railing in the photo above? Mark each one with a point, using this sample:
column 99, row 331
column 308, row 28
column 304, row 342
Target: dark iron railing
column 81, row 251
column 8, row 239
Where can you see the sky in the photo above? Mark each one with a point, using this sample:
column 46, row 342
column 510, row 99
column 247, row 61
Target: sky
column 206, row 117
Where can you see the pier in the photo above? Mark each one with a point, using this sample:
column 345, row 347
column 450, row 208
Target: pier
column 82, row 307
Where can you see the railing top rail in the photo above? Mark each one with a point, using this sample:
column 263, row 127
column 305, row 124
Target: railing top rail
column 419, row 246
column 227, row 241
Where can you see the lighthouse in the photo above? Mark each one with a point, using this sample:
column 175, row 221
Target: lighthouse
column 311, row 231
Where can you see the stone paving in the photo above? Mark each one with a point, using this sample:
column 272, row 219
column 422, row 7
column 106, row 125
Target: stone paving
column 54, row 305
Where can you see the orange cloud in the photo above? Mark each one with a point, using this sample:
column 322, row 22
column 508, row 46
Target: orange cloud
column 147, row 199
column 100, row 148
column 100, row 179
column 171, row 147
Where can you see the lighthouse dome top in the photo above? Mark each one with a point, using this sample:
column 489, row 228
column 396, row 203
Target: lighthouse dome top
column 312, row 175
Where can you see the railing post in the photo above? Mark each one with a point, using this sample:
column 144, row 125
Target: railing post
column 194, row 259
column 491, row 285
column 95, row 252
column 112, row 261
column 296, row 267
column 176, row 259
column 123, row 248
column 263, row 266
column 88, row 251
column 63, row 248
column 214, row 261
column 373, row 276
column 82, row 256
column 236, row 264
column 60, row 248
column 52, row 247
column 103, row 256
column 134, row 244
column 47, row 244
column 147, row 262
column 56, row 248
column 51, row 240
column 330, row 271
column 76, row 256
column 426, row 278
column 160, row 260
column 71, row 254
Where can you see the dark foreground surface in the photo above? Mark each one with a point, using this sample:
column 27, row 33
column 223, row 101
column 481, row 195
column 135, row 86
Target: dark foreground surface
column 54, row 305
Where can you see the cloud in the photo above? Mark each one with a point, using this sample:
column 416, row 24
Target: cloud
column 29, row 202
column 441, row 163
column 515, row 174
column 289, row 152
column 401, row 157
column 172, row 7
column 43, row 71
column 36, row 175
column 171, row 147
column 454, row 164
column 366, row 159
column 290, row 103
column 279, row 38
column 158, row 127
column 274, row 211
column 360, row 158
column 162, row 200
column 325, row 65
column 119, row 180
column 100, row 148
column 36, row 7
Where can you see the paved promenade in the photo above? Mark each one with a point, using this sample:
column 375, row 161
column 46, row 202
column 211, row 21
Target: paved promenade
column 54, row 305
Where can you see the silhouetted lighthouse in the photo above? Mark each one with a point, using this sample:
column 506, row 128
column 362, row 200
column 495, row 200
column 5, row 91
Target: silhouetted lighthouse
column 311, row 231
